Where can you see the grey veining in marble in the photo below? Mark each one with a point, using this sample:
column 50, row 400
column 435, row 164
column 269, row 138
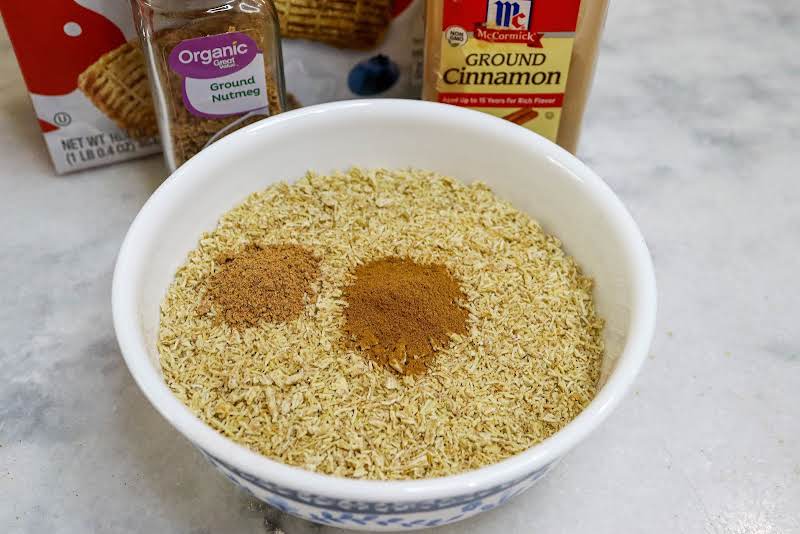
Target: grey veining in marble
column 694, row 122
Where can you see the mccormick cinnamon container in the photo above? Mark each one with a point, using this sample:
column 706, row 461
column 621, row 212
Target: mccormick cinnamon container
column 530, row 62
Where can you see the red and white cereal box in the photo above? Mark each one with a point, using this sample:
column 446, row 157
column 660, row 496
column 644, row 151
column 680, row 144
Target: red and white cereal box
column 61, row 44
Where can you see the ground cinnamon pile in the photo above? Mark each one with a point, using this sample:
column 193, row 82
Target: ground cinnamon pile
column 401, row 312
column 269, row 283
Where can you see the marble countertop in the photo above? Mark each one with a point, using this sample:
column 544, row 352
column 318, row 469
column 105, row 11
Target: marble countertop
column 693, row 121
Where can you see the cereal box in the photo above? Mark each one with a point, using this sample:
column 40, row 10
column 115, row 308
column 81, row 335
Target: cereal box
column 92, row 106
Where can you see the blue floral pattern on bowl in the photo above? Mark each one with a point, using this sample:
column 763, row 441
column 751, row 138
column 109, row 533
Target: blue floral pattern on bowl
column 376, row 515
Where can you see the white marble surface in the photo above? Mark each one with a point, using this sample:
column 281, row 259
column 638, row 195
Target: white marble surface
column 694, row 122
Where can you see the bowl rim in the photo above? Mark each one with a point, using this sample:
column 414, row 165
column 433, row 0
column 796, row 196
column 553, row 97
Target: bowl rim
column 132, row 344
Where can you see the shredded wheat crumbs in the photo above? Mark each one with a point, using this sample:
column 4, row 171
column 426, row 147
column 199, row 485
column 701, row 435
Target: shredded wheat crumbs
column 292, row 391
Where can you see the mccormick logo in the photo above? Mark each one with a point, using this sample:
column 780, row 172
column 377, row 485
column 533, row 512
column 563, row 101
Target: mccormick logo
column 509, row 14
column 508, row 21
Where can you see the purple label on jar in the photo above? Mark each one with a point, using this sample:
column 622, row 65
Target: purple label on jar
column 213, row 56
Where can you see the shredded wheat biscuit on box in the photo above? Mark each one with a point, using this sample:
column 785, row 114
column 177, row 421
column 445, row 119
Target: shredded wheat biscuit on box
column 117, row 85
column 356, row 24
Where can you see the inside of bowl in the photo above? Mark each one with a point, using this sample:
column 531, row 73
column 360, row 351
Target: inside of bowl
column 515, row 166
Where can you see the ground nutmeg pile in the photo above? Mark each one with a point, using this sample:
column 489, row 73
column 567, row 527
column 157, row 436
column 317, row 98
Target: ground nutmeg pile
column 381, row 324
column 261, row 283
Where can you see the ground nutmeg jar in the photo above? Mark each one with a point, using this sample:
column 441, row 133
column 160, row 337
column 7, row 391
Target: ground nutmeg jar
column 214, row 67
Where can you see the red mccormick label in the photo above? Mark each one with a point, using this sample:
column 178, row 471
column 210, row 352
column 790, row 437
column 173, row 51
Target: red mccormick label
column 509, row 58
column 222, row 74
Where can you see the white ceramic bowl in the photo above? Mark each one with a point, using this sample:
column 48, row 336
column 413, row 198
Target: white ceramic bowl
column 536, row 175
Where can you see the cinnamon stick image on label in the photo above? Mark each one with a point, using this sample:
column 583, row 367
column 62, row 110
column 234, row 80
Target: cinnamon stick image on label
column 521, row 116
